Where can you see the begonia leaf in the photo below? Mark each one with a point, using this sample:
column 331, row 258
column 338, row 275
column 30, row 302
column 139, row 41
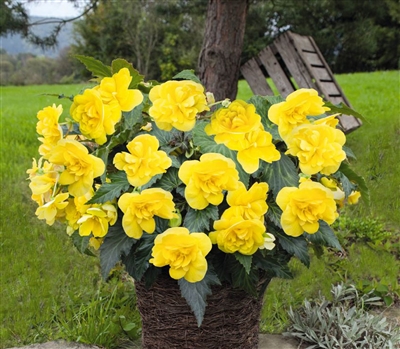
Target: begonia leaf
column 109, row 191
column 81, row 243
column 354, row 177
column 272, row 266
column 279, row 174
column 115, row 246
column 133, row 117
column 137, row 261
column 187, row 74
column 199, row 220
column 324, row 236
column 343, row 109
column 170, row 180
column 244, row 260
column 274, row 213
column 296, row 246
column 196, row 294
column 96, row 67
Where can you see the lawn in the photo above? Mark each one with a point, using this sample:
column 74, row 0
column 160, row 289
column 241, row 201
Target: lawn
column 51, row 291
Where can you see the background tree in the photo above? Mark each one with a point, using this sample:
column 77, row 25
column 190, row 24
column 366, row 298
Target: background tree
column 219, row 61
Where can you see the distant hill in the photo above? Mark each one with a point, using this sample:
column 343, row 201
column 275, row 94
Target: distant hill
column 15, row 44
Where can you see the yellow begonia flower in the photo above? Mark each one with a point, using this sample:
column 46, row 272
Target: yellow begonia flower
column 231, row 125
column 139, row 210
column 176, row 104
column 143, row 160
column 43, row 177
column 236, row 234
column 49, row 128
column 97, row 219
column 249, row 204
column 80, row 167
column 330, row 120
column 95, row 242
column 303, row 207
column 318, row 148
column 93, row 116
column 206, row 179
column 184, row 252
column 257, row 146
column 53, row 209
column 354, row 197
column 295, row 109
column 116, row 89
column 76, row 209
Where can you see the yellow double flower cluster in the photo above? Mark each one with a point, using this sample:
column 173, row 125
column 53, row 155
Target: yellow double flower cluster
column 62, row 182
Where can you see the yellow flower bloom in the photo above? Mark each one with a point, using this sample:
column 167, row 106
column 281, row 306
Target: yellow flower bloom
column 330, row 120
column 143, row 160
column 354, row 197
column 231, row 125
column 95, row 242
column 294, row 111
column 318, row 148
column 176, row 104
column 257, row 145
column 249, row 204
column 97, row 219
column 43, row 177
column 53, row 209
column 303, row 207
column 80, row 167
column 184, row 252
column 49, row 128
column 93, row 115
column 139, row 210
column 116, row 89
column 236, row 234
column 206, row 179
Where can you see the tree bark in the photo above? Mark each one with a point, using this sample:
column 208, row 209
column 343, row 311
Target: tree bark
column 219, row 61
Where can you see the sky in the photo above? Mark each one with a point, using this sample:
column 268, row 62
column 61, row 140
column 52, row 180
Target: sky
column 53, row 8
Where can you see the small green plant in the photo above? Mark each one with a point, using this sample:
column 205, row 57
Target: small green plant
column 107, row 319
column 343, row 322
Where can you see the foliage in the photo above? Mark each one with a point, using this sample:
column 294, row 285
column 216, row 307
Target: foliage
column 81, row 179
column 342, row 322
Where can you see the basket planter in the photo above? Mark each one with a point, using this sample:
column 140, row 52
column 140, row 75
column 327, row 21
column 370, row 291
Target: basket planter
column 231, row 319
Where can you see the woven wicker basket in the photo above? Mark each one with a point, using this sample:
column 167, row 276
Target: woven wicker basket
column 231, row 319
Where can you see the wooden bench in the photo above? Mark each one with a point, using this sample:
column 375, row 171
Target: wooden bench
column 293, row 61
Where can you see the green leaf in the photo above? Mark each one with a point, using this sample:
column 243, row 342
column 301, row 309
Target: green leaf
column 274, row 213
column 165, row 138
column 262, row 105
column 187, row 75
column 115, row 246
column 343, row 109
column 103, row 153
column 349, row 153
column 109, row 191
column 137, row 261
column 274, row 99
column 296, row 246
column 244, row 260
column 133, row 117
column 272, row 266
column 324, row 236
column 279, row 174
column 151, row 182
column 170, row 180
column 208, row 145
column 199, row 220
column 118, row 64
column 354, row 177
column 196, row 294
column 96, row 67
column 243, row 280
column 81, row 243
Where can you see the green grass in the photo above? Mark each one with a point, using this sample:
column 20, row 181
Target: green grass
column 51, row 291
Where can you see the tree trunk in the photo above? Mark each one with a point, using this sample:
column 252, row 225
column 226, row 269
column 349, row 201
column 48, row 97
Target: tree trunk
column 219, row 61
